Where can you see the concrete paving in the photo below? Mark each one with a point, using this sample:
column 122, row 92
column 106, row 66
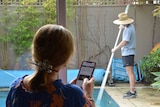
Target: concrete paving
column 146, row 95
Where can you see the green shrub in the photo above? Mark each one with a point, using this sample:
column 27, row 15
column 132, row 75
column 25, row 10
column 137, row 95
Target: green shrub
column 27, row 22
column 149, row 64
column 19, row 24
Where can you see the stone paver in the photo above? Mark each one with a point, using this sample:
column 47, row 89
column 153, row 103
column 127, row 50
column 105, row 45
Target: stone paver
column 146, row 96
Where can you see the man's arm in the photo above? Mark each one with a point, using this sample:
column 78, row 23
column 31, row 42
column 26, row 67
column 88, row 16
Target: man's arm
column 121, row 44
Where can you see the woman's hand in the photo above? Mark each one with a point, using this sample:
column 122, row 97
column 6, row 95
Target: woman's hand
column 88, row 86
column 73, row 81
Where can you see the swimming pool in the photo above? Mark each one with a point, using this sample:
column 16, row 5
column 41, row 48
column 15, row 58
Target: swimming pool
column 106, row 101
column 3, row 95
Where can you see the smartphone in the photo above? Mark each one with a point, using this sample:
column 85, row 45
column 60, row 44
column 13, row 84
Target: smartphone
column 86, row 71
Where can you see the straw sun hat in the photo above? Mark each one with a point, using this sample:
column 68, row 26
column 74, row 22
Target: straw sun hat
column 123, row 19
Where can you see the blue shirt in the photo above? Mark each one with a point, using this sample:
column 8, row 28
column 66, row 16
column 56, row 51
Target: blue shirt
column 56, row 95
column 129, row 35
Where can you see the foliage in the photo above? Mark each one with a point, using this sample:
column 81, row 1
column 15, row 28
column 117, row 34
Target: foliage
column 49, row 11
column 156, row 12
column 149, row 64
column 157, row 79
column 19, row 24
column 4, row 33
column 27, row 22
column 70, row 10
column 24, row 23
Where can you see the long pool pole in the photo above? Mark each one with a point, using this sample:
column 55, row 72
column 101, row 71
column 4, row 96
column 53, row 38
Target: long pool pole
column 109, row 65
column 107, row 71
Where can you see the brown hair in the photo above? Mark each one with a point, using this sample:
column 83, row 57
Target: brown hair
column 53, row 43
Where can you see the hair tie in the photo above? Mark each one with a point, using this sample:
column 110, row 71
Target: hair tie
column 44, row 65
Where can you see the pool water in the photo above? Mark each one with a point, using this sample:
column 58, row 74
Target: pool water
column 3, row 95
column 106, row 101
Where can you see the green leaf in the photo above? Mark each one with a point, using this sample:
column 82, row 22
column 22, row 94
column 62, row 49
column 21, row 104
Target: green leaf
column 156, row 84
column 156, row 74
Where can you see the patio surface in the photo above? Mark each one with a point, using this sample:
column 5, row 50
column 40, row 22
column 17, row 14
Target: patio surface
column 146, row 96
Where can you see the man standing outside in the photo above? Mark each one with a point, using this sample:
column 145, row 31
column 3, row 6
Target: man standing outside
column 127, row 45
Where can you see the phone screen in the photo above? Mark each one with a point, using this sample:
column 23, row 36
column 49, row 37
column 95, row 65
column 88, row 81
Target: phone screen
column 86, row 71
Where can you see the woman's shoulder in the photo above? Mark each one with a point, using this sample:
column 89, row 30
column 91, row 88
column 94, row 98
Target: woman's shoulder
column 17, row 82
column 73, row 87
column 67, row 87
column 73, row 90
column 68, row 94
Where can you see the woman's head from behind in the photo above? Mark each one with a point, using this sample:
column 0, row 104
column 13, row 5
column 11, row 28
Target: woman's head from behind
column 53, row 43
column 52, row 47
